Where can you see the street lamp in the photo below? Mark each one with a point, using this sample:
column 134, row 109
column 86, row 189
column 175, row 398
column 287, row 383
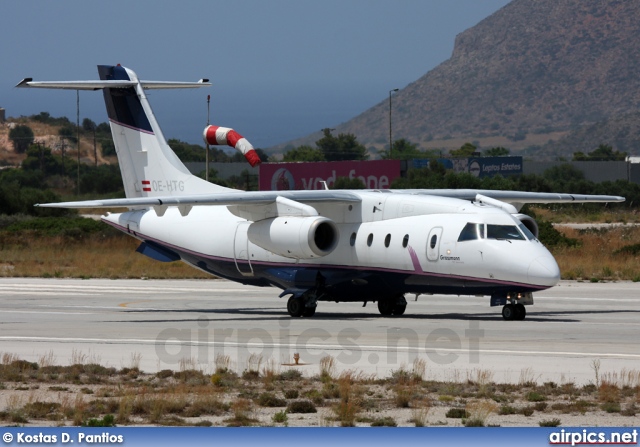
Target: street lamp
column 390, row 139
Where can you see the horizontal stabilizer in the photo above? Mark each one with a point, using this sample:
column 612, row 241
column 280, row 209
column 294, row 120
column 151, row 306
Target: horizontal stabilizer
column 98, row 85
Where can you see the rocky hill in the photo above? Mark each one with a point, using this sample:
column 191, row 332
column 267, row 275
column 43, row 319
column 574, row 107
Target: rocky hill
column 531, row 72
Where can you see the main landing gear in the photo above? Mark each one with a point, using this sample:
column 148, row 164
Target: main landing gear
column 298, row 307
column 395, row 305
column 514, row 312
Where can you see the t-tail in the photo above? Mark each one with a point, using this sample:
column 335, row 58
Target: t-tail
column 148, row 165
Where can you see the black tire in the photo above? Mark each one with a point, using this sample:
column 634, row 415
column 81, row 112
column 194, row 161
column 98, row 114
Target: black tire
column 521, row 312
column 508, row 312
column 295, row 307
column 386, row 306
column 309, row 311
column 399, row 309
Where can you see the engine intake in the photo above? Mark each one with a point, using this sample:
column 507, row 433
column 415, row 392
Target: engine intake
column 528, row 222
column 295, row 237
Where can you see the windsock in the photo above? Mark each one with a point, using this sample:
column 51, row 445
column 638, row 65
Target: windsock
column 224, row 136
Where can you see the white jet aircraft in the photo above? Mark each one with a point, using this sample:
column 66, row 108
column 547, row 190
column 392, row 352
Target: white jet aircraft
column 348, row 245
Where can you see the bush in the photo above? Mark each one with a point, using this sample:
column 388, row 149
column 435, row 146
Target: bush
column 533, row 396
column 457, row 413
column 550, row 422
column 280, row 417
column 301, row 406
column 291, row 394
column 106, row 421
column 384, row 422
column 270, row 400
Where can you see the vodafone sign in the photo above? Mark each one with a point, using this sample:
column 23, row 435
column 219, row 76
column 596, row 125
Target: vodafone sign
column 377, row 174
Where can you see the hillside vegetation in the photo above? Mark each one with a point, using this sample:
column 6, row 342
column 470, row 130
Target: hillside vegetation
column 532, row 72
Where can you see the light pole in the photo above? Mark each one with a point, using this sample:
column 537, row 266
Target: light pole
column 390, row 138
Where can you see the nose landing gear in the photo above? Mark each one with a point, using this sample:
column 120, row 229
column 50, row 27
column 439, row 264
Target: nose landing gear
column 514, row 312
column 513, row 304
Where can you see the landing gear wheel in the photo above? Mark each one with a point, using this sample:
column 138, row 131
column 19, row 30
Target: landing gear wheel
column 520, row 312
column 295, row 307
column 508, row 312
column 386, row 306
column 399, row 309
column 309, row 312
column 399, row 305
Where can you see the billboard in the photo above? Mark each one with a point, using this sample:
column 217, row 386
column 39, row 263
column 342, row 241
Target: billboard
column 376, row 174
column 479, row 166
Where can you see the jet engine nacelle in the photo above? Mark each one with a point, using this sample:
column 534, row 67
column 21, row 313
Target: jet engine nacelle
column 528, row 222
column 295, row 237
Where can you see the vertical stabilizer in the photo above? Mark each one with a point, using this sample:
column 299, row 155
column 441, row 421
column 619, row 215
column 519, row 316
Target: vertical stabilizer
column 149, row 167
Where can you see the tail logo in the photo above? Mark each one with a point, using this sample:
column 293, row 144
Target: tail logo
column 146, row 185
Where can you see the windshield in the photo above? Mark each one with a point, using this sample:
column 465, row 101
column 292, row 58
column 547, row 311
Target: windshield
column 526, row 232
column 471, row 232
column 504, row 232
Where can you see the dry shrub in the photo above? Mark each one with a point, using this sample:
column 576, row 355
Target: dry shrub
column 270, row 372
column 222, row 363
column 597, row 250
column 419, row 370
column 608, row 392
column 479, row 410
column 47, row 360
column 528, row 377
column 327, row 367
column 420, row 412
column 349, row 406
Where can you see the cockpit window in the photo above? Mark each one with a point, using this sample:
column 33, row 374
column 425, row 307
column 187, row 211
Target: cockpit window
column 505, row 232
column 527, row 232
column 471, row 232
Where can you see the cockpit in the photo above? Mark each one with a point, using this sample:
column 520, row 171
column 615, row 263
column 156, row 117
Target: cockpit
column 474, row 231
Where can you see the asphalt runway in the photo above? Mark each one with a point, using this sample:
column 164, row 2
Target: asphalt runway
column 171, row 324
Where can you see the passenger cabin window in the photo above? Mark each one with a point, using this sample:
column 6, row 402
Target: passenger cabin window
column 387, row 240
column 405, row 241
column 471, row 232
column 352, row 241
column 434, row 239
column 504, row 232
column 370, row 239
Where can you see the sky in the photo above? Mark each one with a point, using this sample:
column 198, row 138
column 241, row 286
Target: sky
column 280, row 69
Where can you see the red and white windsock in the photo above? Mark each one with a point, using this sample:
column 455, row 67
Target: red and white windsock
column 222, row 136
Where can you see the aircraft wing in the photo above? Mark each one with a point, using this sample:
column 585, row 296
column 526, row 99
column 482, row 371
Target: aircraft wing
column 516, row 198
column 235, row 198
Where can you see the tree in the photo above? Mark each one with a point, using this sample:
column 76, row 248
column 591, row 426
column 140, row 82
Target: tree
column 88, row 125
column 69, row 133
column 348, row 183
column 465, row 151
column 403, row 150
column 343, row 147
column 303, row 153
column 496, row 152
column 22, row 137
column 604, row 152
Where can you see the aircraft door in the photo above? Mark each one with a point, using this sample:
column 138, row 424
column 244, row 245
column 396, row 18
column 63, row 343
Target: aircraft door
column 433, row 244
column 241, row 249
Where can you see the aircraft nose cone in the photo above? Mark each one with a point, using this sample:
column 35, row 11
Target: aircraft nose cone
column 544, row 271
